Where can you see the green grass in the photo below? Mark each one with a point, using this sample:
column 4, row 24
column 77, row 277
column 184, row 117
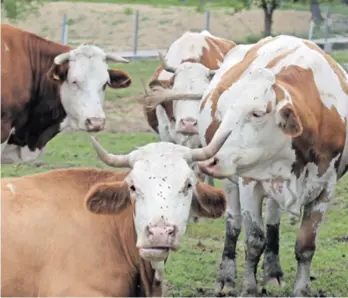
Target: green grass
column 138, row 71
column 340, row 56
column 194, row 267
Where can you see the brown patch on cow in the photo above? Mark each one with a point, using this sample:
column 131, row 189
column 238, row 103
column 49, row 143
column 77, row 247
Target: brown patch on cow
column 324, row 132
column 273, row 62
column 232, row 75
column 338, row 71
column 212, row 128
column 309, row 225
column 208, row 201
column 279, row 93
column 149, row 113
column 247, row 181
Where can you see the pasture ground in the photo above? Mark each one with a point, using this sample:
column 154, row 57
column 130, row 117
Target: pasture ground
column 192, row 270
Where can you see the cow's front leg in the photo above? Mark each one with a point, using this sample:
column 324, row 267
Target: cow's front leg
column 251, row 197
column 272, row 271
column 313, row 214
column 226, row 278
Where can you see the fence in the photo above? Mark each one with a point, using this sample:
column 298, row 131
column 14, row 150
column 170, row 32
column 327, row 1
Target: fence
column 324, row 35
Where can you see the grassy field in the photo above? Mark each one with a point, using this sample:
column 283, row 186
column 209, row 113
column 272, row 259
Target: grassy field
column 192, row 270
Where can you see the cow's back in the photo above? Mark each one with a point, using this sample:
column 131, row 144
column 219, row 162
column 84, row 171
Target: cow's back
column 53, row 246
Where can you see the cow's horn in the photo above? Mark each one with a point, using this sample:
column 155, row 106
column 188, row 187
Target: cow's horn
column 116, row 58
column 165, row 65
column 111, row 160
column 61, row 58
column 214, row 146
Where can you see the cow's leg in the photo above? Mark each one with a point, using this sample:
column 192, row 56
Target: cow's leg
column 251, row 205
column 227, row 274
column 313, row 214
column 273, row 273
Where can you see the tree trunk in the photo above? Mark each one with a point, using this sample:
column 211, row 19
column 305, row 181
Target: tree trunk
column 316, row 13
column 268, row 22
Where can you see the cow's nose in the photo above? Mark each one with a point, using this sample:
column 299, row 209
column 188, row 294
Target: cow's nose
column 95, row 124
column 161, row 236
column 188, row 126
column 209, row 166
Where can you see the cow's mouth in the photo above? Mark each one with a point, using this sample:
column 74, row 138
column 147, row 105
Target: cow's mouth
column 154, row 253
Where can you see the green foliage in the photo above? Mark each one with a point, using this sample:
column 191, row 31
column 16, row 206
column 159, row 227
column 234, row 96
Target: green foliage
column 15, row 9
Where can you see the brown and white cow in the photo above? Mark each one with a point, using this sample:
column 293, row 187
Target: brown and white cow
column 285, row 104
column 91, row 232
column 227, row 272
column 188, row 66
column 46, row 87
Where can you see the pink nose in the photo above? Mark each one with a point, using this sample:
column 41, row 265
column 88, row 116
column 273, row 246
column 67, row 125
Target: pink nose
column 161, row 236
column 95, row 124
column 209, row 167
column 188, row 126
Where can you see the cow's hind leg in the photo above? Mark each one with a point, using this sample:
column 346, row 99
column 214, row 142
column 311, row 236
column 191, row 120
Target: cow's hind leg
column 227, row 273
column 255, row 241
column 313, row 214
column 273, row 273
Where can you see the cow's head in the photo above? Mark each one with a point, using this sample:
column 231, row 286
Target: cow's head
column 262, row 121
column 83, row 75
column 188, row 77
column 163, row 188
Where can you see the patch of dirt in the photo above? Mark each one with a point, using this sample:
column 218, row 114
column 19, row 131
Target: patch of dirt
column 112, row 25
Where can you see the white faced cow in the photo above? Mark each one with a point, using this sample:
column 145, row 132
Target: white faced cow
column 47, row 87
column 284, row 102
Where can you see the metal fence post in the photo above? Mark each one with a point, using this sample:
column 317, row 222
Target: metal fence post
column 64, row 39
column 136, row 32
column 326, row 32
column 207, row 20
column 310, row 31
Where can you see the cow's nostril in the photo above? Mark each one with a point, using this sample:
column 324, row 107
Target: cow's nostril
column 214, row 162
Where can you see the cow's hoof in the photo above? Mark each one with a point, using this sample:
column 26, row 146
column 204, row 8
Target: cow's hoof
column 250, row 292
column 302, row 292
column 225, row 281
column 275, row 282
column 225, row 289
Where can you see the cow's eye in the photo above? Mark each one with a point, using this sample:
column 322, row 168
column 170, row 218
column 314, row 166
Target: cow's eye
column 189, row 185
column 258, row 114
column 75, row 83
column 132, row 188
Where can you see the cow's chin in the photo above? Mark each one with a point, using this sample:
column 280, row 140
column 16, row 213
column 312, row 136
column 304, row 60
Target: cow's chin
column 154, row 254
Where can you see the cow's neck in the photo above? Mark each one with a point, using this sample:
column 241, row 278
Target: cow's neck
column 324, row 132
column 45, row 109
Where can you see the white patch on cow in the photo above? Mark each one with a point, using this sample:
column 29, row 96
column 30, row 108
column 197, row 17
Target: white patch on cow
column 11, row 187
column 7, row 49
column 82, row 94
column 162, row 197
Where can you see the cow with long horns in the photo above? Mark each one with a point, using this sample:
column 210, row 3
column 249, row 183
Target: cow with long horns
column 46, row 87
column 108, row 228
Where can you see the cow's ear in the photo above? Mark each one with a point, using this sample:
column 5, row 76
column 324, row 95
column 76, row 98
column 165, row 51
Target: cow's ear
column 108, row 198
column 118, row 79
column 208, row 201
column 58, row 72
column 288, row 120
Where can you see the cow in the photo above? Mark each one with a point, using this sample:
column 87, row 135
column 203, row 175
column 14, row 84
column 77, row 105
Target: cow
column 188, row 66
column 95, row 232
column 47, row 87
column 227, row 273
column 284, row 102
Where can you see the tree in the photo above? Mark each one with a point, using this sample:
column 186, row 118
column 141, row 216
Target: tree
column 268, row 7
column 15, row 9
